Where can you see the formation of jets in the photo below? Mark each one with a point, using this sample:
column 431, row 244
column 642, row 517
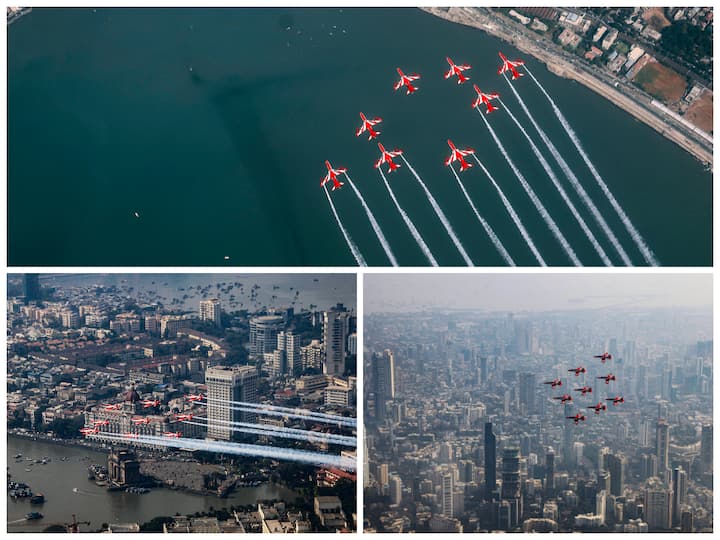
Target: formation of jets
column 387, row 157
column 367, row 125
column 406, row 81
column 458, row 155
column 585, row 390
column 457, row 71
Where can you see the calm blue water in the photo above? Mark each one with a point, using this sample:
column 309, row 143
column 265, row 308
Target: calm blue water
column 214, row 124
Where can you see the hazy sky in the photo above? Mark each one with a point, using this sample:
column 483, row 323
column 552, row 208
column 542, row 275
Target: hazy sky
column 533, row 292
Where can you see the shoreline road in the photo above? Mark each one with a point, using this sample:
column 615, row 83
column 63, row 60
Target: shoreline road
column 625, row 96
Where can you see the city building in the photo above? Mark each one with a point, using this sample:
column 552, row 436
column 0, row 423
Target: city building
column 225, row 385
column 336, row 328
column 211, row 311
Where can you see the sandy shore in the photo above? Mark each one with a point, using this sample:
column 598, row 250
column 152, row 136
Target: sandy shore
column 623, row 95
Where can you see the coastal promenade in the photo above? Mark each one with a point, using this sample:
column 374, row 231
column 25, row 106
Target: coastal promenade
column 619, row 92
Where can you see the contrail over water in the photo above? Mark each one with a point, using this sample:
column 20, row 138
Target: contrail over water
column 534, row 198
column 647, row 253
column 440, row 215
column 239, row 449
column 493, row 237
column 551, row 174
column 587, row 201
column 410, row 225
column 513, row 215
column 353, row 248
column 374, row 223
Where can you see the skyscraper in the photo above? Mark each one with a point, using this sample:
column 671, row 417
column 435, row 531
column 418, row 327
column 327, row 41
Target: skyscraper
column 658, row 504
column 226, row 384
column 384, row 381
column 706, row 448
column 550, row 472
column 31, row 287
column 336, row 327
column 288, row 346
column 210, row 311
column 662, row 445
column 447, row 495
column 263, row 334
column 490, row 461
column 528, row 386
column 510, row 491
column 615, row 464
column 679, row 481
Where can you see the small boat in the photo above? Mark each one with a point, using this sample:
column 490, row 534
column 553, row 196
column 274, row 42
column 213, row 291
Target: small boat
column 33, row 515
column 28, row 470
column 38, row 498
column 18, row 456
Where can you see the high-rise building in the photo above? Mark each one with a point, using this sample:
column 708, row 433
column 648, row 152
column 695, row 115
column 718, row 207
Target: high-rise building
column 210, row 311
column 658, row 504
column 662, row 445
column 490, row 461
column 510, row 491
column 648, row 466
column 706, row 448
column 679, row 484
column 528, row 385
column 287, row 354
column 263, row 334
column 615, row 464
column 336, row 328
column 395, row 489
column 383, row 367
column 226, row 384
column 31, row 288
column 550, row 472
column 447, row 495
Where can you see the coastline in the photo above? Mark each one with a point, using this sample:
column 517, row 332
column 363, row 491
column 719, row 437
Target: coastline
column 621, row 94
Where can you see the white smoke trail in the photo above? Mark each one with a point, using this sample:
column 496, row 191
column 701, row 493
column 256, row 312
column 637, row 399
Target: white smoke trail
column 647, row 253
column 534, row 198
column 513, row 215
column 374, row 223
column 253, row 450
column 598, row 248
column 260, row 408
column 493, row 237
column 277, row 431
column 410, row 225
column 440, row 215
column 587, row 201
column 353, row 248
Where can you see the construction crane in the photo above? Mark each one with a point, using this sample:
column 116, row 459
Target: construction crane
column 73, row 527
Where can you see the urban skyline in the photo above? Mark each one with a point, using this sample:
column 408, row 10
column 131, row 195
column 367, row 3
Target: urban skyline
column 555, row 420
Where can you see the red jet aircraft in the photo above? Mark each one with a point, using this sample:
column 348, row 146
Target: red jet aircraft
column 457, row 70
column 151, row 403
column 577, row 418
column 578, row 370
column 599, row 407
column 564, row 398
column 510, row 65
column 387, row 157
column 138, row 421
column 368, row 125
column 332, row 175
column 484, row 98
column 459, row 155
column 603, row 357
column 554, row 382
column 616, row 400
column 609, row 377
column 193, row 397
column 405, row 80
column 584, row 390
column 176, row 434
